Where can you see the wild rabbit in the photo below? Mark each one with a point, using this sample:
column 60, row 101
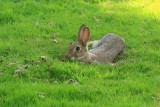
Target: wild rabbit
column 103, row 51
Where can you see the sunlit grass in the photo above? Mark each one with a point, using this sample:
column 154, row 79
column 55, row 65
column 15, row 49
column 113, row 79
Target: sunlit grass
column 149, row 6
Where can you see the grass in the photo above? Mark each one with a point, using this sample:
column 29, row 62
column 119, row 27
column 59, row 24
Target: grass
column 28, row 30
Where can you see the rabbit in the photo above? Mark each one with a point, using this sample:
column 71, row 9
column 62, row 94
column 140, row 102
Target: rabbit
column 103, row 51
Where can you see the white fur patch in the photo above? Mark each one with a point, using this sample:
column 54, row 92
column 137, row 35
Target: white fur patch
column 72, row 58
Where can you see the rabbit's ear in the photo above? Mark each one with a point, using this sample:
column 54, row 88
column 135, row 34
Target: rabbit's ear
column 83, row 35
column 80, row 33
column 86, row 34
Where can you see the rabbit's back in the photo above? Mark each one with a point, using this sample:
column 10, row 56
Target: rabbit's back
column 108, row 48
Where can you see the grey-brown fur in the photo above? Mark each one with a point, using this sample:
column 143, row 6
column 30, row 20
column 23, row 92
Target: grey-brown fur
column 107, row 49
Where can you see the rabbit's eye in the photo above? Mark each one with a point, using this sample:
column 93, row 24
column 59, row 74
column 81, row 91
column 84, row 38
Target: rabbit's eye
column 77, row 48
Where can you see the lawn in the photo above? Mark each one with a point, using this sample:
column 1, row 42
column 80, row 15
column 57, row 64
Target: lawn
column 33, row 29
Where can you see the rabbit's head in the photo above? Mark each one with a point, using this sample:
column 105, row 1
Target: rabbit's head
column 78, row 49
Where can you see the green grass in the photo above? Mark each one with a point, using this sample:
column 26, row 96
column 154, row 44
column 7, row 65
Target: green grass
column 27, row 28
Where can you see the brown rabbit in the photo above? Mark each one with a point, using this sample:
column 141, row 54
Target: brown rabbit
column 103, row 51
